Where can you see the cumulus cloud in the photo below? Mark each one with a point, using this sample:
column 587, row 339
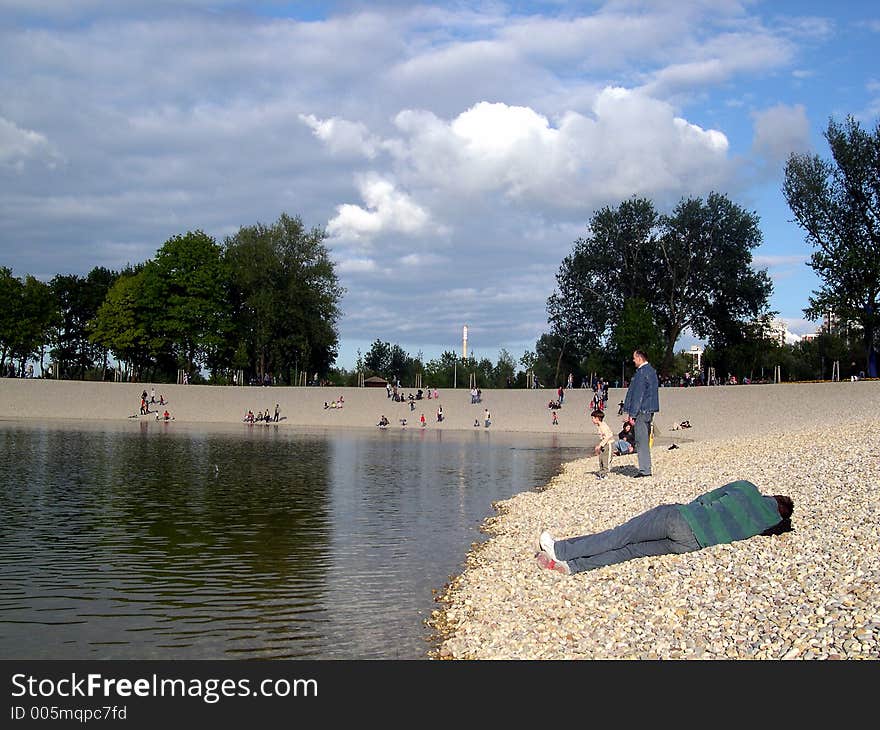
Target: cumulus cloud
column 631, row 144
column 388, row 210
column 780, row 131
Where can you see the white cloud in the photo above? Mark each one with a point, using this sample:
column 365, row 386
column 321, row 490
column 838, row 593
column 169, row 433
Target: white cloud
column 387, row 210
column 780, row 131
column 19, row 146
column 631, row 144
column 343, row 137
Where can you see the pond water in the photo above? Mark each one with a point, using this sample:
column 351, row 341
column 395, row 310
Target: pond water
column 171, row 541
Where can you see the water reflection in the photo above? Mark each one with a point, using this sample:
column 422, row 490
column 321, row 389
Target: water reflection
column 157, row 540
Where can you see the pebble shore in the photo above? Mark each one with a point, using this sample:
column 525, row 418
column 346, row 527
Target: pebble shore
column 809, row 594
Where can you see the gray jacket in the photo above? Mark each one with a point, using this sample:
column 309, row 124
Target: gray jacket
column 642, row 395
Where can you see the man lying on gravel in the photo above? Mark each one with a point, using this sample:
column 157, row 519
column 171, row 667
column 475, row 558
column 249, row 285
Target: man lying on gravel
column 735, row 511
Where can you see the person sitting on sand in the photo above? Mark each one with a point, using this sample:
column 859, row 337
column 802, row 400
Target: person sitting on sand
column 734, row 511
column 165, row 416
column 626, row 439
column 383, row 422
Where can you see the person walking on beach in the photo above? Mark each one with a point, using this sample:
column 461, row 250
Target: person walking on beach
column 555, row 419
column 277, row 413
column 642, row 401
column 487, row 418
column 734, row 511
column 606, row 438
column 422, row 420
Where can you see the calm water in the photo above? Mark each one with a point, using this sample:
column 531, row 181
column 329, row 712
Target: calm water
column 167, row 541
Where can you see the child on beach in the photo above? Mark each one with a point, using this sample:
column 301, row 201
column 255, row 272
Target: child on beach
column 555, row 420
column 606, row 438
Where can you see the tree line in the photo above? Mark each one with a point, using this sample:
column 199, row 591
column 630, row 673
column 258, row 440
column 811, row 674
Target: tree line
column 265, row 302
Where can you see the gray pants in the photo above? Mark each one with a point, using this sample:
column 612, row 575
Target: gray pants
column 642, row 432
column 605, row 459
column 659, row 531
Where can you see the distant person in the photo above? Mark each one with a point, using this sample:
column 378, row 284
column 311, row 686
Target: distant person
column 555, row 419
column 383, row 422
column 487, row 418
column 732, row 512
column 606, row 438
column 476, row 423
column 422, row 420
column 439, row 414
column 277, row 413
column 642, row 401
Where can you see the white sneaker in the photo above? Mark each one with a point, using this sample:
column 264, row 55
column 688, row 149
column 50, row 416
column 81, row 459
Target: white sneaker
column 546, row 541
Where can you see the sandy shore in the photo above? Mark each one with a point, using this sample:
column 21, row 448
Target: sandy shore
column 813, row 593
column 717, row 412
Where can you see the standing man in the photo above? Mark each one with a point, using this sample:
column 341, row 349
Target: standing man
column 641, row 403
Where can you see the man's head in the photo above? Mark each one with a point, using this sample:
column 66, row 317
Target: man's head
column 785, row 505
column 597, row 416
column 639, row 358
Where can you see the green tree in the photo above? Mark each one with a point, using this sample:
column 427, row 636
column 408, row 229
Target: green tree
column 837, row 204
column 692, row 269
column 705, row 280
column 10, row 298
column 285, row 297
column 504, row 372
column 29, row 320
column 613, row 263
column 378, row 359
column 634, row 330
column 78, row 300
column 124, row 322
column 187, row 291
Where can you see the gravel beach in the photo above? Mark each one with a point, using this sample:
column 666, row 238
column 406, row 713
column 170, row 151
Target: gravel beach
column 811, row 593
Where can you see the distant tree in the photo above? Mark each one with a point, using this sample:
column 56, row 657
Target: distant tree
column 285, row 296
column 705, row 280
column 691, row 268
column 838, row 206
column 10, row 297
column 378, row 359
column 78, row 299
column 504, row 372
column 124, row 323
column 634, row 330
column 445, row 371
column 613, row 263
column 29, row 317
column 186, row 289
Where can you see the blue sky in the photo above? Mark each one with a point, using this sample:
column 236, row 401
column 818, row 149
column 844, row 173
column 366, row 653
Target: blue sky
column 453, row 152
